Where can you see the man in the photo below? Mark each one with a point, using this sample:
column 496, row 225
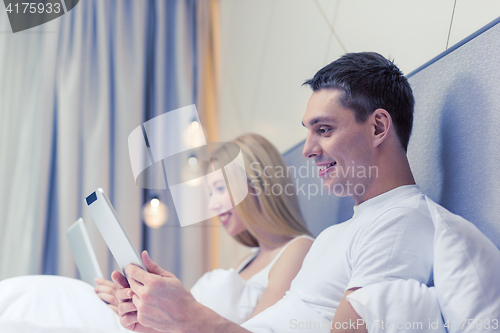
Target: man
column 359, row 120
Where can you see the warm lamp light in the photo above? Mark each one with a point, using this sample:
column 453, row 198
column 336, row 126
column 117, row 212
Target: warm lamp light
column 193, row 135
column 192, row 161
column 191, row 172
column 155, row 213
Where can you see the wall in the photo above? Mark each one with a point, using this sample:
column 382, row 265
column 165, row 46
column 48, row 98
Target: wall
column 269, row 48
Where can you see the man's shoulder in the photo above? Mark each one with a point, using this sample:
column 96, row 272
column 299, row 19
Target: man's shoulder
column 335, row 229
column 413, row 205
column 405, row 215
column 408, row 208
column 401, row 228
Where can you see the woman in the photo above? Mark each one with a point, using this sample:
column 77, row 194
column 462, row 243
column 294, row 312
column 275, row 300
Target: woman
column 272, row 224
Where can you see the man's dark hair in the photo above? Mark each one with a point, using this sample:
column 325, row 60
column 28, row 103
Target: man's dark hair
column 369, row 82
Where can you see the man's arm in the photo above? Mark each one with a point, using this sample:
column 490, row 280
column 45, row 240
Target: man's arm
column 346, row 320
column 157, row 300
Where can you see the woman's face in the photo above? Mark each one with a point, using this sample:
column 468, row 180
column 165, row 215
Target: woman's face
column 220, row 203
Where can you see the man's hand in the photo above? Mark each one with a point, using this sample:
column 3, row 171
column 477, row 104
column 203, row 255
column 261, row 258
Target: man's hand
column 160, row 298
column 157, row 301
column 126, row 309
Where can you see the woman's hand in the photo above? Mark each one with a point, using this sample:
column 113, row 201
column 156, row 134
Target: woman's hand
column 106, row 290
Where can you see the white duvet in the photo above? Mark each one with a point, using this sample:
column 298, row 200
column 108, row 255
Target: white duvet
column 43, row 304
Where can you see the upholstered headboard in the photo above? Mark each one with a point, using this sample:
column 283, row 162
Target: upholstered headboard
column 454, row 150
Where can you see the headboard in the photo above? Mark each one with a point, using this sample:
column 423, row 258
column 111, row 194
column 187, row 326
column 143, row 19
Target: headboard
column 454, row 148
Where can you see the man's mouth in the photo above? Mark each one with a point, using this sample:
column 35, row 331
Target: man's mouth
column 323, row 169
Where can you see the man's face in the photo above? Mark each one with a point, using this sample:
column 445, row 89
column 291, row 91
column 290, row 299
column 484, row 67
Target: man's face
column 341, row 147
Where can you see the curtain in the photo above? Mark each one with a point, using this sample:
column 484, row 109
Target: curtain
column 72, row 90
column 209, row 45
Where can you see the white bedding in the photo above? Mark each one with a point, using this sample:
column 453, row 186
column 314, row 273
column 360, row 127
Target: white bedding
column 20, row 327
column 466, row 293
column 466, row 271
column 43, row 304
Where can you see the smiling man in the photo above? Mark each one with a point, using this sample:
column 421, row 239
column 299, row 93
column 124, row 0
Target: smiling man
column 359, row 117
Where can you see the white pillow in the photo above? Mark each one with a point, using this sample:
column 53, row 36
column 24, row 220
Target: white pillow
column 398, row 306
column 466, row 273
column 56, row 303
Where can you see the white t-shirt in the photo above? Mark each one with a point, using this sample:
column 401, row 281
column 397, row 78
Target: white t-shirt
column 389, row 237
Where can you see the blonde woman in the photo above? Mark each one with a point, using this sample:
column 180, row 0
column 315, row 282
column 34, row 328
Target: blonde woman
column 271, row 223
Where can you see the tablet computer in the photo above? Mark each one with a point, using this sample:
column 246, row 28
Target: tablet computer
column 112, row 231
column 85, row 258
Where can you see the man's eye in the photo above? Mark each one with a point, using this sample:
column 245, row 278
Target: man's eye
column 221, row 188
column 324, row 130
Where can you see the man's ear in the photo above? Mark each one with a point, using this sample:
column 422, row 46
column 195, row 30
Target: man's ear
column 382, row 123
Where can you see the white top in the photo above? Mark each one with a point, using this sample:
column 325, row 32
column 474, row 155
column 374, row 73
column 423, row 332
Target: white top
column 389, row 237
column 225, row 292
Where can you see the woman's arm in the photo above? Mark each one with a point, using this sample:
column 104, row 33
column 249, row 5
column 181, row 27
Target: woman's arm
column 282, row 273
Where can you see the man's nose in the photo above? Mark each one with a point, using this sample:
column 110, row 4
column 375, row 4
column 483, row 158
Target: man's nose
column 311, row 147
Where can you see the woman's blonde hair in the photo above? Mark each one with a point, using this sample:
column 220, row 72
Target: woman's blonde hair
column 271, row 204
